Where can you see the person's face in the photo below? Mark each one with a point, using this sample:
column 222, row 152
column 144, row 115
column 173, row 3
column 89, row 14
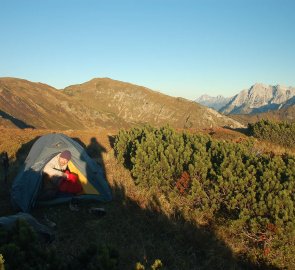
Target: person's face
column 63, row 161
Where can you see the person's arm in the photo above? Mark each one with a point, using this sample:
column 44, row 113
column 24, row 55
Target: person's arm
column 51, row 170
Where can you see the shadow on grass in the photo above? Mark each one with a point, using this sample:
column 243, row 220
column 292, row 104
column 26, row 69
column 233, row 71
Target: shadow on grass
column 142, row 235
column 177, row 242
column 17, row 122
column 139, row 235
column 244, row 131
column 112, row 140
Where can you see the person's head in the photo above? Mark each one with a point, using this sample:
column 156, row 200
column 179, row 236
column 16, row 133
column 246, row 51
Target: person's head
column 64, row 157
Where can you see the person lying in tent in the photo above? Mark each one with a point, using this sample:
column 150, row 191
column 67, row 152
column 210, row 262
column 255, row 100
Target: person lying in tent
column 57, row 178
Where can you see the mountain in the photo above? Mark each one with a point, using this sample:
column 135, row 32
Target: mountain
column 98, row 103
column 26, row 104
column 286, row 113
column 215, row 103
column 259, row 98
column 288, row 103
column 137, row 105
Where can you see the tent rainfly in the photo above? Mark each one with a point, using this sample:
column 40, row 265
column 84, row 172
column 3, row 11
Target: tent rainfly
column 28, row 182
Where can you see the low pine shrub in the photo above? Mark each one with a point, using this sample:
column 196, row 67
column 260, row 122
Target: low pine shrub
column 2, row 261
column 221, row 177
column 282, row 133
column 22, row 249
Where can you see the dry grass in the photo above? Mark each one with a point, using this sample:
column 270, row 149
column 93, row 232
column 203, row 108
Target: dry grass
column 141, row 224
column 99, row 102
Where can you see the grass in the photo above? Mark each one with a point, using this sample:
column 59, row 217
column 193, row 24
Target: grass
column 140, row 224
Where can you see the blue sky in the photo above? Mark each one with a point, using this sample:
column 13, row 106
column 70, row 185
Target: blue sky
column 177, row 47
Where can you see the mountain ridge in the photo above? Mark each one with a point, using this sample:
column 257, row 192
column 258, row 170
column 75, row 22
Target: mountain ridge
column 215, row 103
column 141, row 104
column 258, row 98
column 100, row 102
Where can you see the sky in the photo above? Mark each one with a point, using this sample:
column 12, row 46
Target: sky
column 183, row 48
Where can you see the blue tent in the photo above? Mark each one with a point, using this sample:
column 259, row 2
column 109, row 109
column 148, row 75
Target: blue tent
column 28, row 182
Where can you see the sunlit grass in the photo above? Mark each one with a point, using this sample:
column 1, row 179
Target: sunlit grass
column 142, row 224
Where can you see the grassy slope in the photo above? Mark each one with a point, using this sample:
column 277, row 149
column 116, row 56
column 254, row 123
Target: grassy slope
column 285, row 114
column 99, row 102
column 36, row 104
column 140, row 224
column 137, row 104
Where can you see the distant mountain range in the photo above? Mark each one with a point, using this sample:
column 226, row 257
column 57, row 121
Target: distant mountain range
column 215, row 103
column 259, row 98
column 100, row 102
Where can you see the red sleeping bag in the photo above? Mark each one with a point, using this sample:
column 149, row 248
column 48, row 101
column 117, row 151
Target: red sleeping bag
column 71, row 184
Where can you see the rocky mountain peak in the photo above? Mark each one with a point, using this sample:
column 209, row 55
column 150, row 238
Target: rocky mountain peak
column 259, row 98
column 215, row 103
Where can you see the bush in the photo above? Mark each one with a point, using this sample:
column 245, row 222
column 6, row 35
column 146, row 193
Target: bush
column 2, row 261
column 282, row 133
column 219, row 177
column 22, row 250
column 157, row 265
column 96, row 258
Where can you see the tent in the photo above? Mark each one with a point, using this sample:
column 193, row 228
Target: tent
column 28, row 182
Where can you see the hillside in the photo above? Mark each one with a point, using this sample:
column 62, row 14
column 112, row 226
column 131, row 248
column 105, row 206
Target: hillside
column 35, row 105
column 284, row 114
column 98, row 103
column 136, row 104
column 141, row 224
column 135, row 224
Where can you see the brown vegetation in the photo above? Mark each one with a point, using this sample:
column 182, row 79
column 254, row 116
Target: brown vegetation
column 98, row 103
column 284, row 114
column 141, row 224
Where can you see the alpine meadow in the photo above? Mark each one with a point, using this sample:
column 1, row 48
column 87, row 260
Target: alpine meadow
column 147, row 135
column 183, row 198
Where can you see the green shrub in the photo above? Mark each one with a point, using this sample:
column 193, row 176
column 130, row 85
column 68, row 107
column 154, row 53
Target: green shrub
column 282, row 133
column 96, row 258
column 2, row 261
column 157, row 265
column 22, row 249
column 219, row 177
